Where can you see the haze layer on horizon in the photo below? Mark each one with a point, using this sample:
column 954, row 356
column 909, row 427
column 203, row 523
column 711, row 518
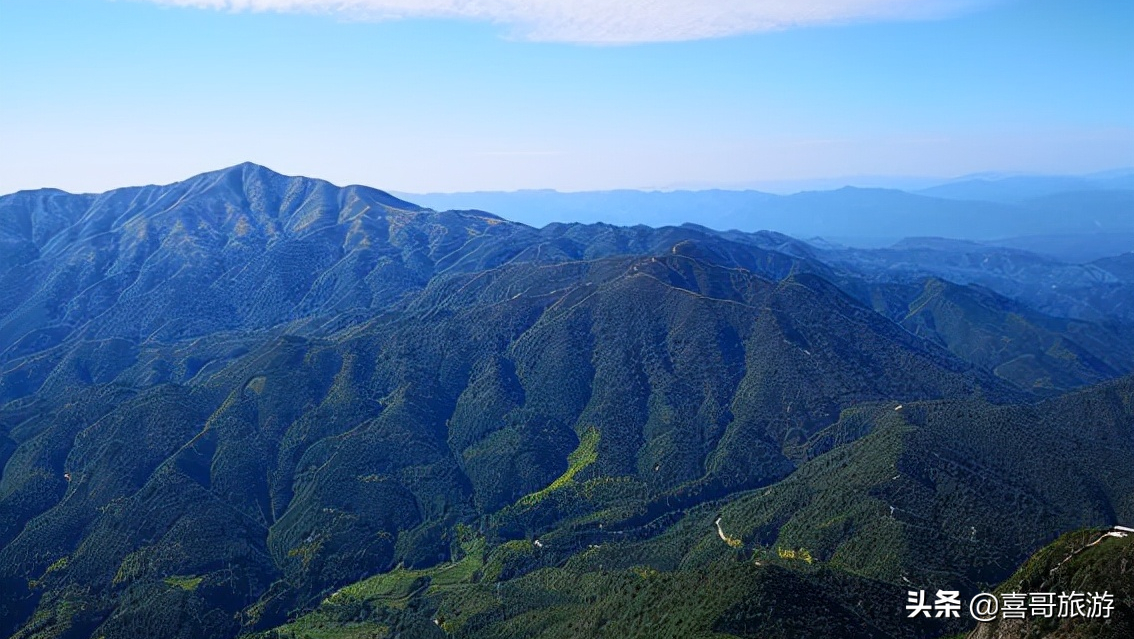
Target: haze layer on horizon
column 427, row 96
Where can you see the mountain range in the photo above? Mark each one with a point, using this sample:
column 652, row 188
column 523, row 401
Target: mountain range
column 1076, row 219
column 248, row 403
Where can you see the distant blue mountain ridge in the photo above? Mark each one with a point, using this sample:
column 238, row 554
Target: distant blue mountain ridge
column 1076, row 218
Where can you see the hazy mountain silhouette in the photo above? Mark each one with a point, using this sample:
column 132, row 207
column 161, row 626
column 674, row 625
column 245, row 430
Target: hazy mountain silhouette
column 973, row 209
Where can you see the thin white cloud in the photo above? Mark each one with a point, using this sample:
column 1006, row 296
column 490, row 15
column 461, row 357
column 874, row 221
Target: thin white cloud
column 616, row 21
column 517, row 153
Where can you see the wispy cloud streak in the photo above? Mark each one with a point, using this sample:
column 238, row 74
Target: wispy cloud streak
column 616, row 21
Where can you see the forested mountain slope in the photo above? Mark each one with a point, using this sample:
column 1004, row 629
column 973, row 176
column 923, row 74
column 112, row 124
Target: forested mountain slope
column 225, row 399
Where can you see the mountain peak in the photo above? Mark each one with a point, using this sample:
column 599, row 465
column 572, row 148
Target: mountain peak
column 244, row 171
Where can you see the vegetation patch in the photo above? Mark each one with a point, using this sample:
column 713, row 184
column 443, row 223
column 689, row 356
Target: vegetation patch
column 584, row 455
column 800, row 554
column 187, row 583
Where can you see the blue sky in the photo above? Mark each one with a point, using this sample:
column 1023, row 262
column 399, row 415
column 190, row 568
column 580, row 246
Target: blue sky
column 570, row 94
